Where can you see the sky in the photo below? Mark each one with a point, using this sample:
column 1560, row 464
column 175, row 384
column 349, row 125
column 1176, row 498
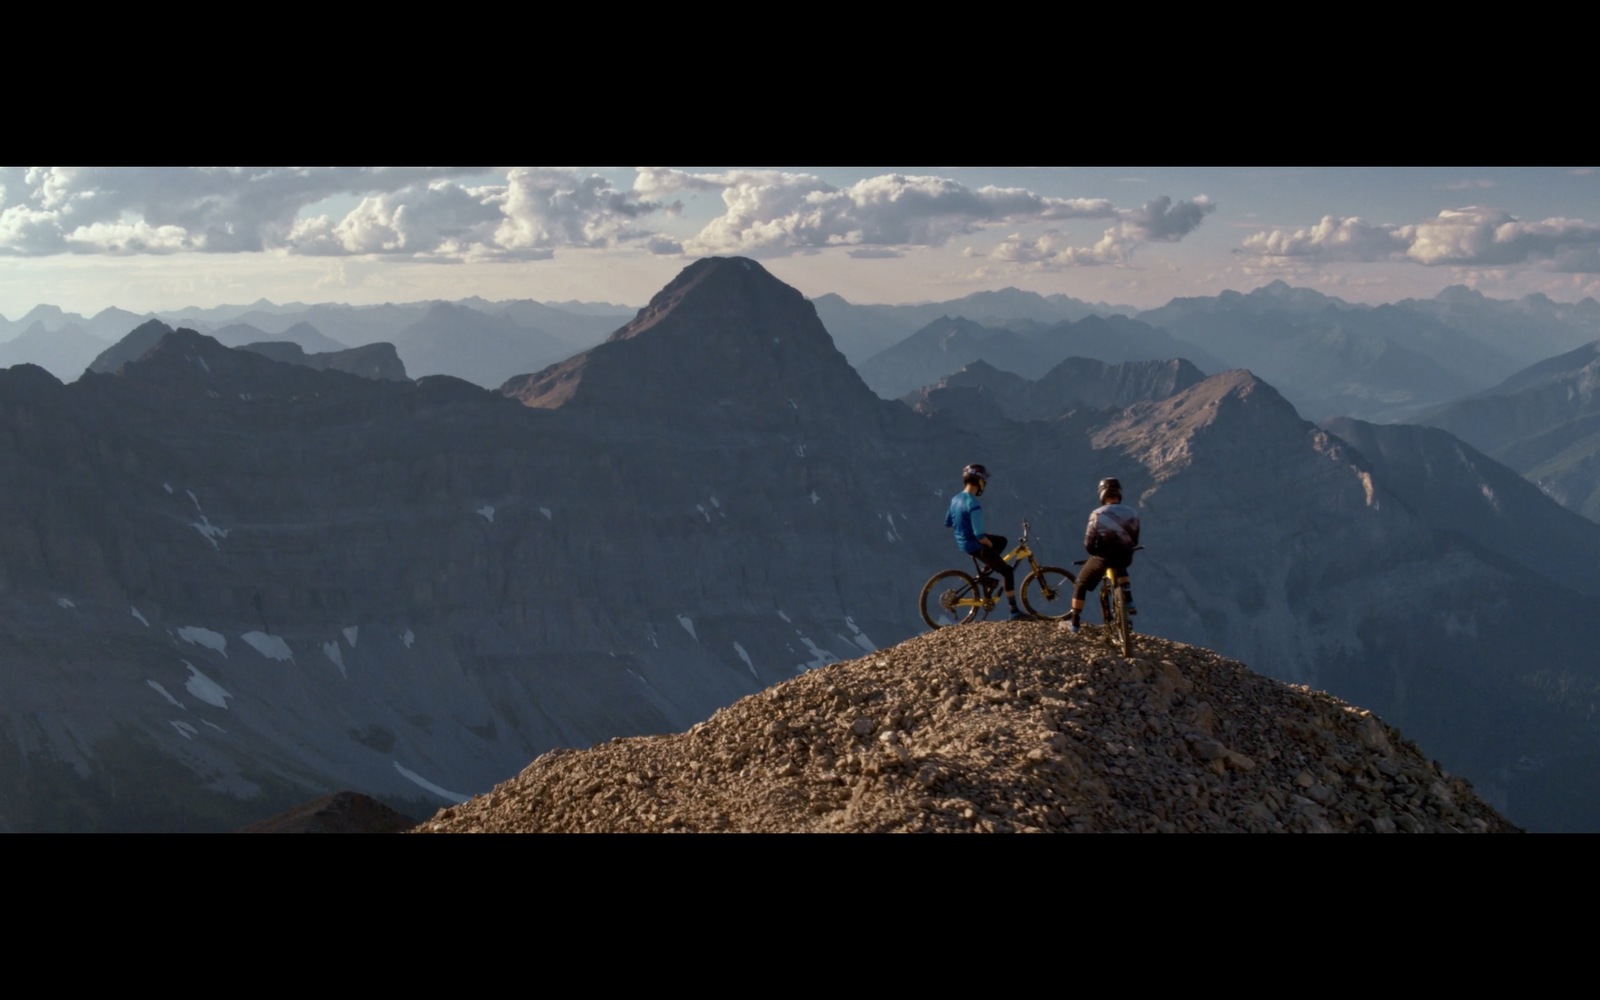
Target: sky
column 167, row 238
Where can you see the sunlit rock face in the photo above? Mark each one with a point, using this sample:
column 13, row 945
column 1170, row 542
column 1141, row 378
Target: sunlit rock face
column 231, row 584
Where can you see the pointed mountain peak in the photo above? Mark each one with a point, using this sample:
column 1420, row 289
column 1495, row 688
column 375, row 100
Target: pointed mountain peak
column 714, row 287
column 1233, row 413
column 130, row 348
column 723, row 333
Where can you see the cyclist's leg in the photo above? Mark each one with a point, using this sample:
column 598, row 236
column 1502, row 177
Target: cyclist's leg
column 1093, row 569
column 1127, row 592
column 990, row 556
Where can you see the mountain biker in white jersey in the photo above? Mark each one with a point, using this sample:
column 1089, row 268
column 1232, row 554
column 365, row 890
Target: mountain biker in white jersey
column 966, row 517
column 1112, row 536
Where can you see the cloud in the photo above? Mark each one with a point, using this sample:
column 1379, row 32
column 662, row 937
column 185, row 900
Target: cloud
column 781, row 211
column 1161, row 220
column 424, row 212
column 1459, row 237
column 1157, row 220
column 1052, row 251
column 471, row 213
column 1330, row 239
column 546, row 208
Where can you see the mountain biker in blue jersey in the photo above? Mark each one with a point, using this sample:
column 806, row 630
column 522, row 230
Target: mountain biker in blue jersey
column 1112, row 536
column 966, row 517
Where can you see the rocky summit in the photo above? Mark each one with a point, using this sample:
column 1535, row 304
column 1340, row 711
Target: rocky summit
column 1015, row 727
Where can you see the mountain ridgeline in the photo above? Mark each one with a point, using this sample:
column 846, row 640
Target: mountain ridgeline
column 259, row 582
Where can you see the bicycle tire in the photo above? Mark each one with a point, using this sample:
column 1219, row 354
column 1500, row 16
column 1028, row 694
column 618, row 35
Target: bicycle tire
column 938, row 597
column 1058, row 604
column 1122, row 631
column 1107, row 618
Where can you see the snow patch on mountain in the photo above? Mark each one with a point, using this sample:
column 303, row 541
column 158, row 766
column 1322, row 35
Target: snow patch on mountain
column 271, row 646
column 204, row 688
column 859, row 637
column 204, row 637
column 211, row 532
column 163, row 692
column 427, row 785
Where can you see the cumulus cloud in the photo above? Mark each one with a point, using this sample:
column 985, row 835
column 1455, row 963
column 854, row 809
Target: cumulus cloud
column 1332, row 238
column 1161, row 220
column 1158, row 220
column 777, row 210
column 532, row 212
column 408, row 211
column 1459, row 237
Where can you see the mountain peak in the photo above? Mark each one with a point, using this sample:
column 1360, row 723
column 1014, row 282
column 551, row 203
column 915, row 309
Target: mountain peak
column 130, row 348
column 723, row 332
column 712, row 286
column 1234, row 412
column 890, row 743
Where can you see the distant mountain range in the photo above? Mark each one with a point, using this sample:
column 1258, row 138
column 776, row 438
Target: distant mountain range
column 482, row 342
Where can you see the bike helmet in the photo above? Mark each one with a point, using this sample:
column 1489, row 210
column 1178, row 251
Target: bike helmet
column 975, row 473
column 1110, row 487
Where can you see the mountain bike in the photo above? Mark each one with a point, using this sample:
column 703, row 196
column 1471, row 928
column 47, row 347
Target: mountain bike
column 956, row 597
column 1118, row 630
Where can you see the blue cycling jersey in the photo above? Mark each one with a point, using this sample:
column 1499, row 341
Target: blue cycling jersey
column 966, row 517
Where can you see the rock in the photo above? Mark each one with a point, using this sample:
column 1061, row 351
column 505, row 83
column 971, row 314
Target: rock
column 1007, row 761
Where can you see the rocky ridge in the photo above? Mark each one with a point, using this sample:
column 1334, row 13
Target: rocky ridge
column 994, row 727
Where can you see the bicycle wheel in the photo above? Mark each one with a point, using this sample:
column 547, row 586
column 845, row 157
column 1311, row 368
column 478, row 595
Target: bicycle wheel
column 1108, row 621
column 1121, row 631
column 950, row 598
column 1047, row 593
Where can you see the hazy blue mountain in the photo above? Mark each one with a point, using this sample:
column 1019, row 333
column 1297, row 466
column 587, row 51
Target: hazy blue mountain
column 302, row 334
column 862, row 331
column 950, row 344
column 1524, row 331
column 1543, row 422
column 486, row 350
column 109, row 324
column 1330, row 357
column 980, row 391
column 64, row 351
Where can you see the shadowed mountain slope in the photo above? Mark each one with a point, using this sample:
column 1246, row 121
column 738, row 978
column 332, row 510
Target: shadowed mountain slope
column 371, row 361
column 130, row 348
column 1544, row 422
